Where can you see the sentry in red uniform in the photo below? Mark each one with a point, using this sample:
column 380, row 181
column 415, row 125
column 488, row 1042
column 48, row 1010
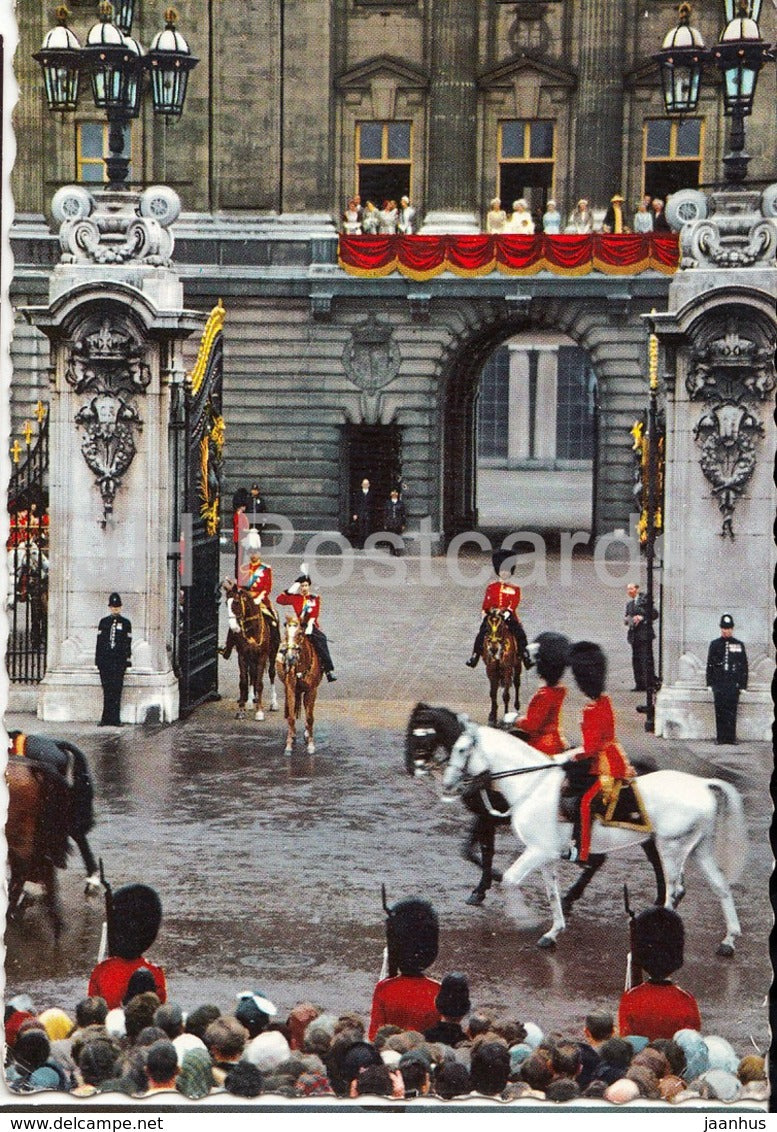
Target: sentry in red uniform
column 657, row 1010
column 110, row 979
column 542, row 722
column 407, row 1001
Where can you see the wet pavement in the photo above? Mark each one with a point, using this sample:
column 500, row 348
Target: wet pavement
column 270, row 868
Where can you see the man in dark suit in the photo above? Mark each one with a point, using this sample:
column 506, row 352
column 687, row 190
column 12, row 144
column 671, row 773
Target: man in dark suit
column 727, row 677
column 113, row 656
column 394, row 517
column 640, row 634
column 361, row 517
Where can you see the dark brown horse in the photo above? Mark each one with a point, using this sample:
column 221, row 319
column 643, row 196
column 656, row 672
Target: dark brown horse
column 36, row 834
column 300, row 670
column 255, row 648
column 502, row 660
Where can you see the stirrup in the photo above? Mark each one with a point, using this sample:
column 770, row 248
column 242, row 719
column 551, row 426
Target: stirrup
column 472, row 662
column 570, row 853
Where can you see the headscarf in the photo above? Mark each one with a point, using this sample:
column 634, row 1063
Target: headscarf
column 57, row 1023
column 697, row 1058
column 195, row 1077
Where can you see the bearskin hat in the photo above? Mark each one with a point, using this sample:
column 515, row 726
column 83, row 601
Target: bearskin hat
column 589, row 666
column 134, row 916
column 499, row 557
column 552, row 656
column 412, row 936
column 657, row 942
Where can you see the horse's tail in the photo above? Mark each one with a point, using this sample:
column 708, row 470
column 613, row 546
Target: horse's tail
column 82, row 790
column 730, row 829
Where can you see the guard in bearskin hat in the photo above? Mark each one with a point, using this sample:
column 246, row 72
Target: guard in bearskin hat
column 595, row 767
column 133, row 916
column 657, row 1008
column 407, row 997
column 502, row 595
column 541, row 725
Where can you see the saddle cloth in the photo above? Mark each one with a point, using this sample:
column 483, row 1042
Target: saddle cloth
column 622, row 807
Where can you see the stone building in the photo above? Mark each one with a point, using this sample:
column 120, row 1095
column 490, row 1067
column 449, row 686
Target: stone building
column 295, row 106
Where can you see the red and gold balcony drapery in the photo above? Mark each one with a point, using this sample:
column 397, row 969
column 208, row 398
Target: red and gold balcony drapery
column 422, row 257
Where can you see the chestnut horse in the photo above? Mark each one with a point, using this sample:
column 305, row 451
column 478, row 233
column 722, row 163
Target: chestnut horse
column 502, row 660
column 36, row 832
column 254, row 651
column 300, row 670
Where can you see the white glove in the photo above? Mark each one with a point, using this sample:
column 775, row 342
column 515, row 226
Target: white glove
column 257, row 601
column 293, row 588
column 309, row 629
column 234, row 625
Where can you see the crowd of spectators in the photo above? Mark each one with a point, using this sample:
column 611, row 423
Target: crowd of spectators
column 147, row 1046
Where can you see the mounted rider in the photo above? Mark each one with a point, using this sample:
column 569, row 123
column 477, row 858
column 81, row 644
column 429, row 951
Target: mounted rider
column 541, row 725
column 307, row 607
column 600, row 764
column 256, row 577
column 502, row 595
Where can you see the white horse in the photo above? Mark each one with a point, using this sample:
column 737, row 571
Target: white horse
column 691, row 817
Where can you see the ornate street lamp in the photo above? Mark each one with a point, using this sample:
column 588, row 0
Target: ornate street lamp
column 681, row 61
column 169, row 61
column 116, row 64
column 740, row 54
column 60, row 58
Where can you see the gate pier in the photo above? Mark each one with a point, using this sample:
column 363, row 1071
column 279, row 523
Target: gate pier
column 115, row 321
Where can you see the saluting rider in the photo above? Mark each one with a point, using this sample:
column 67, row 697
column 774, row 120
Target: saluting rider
column 501, row 594
column 307, row 607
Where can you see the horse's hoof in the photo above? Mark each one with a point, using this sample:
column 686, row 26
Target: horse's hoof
column 273, row 706
column 92, row 886
column 726, row 950
column 496, row 875
column 287, row 750
column 259, row 716
column 311, row 748
column 546, row 943
column 475, row 897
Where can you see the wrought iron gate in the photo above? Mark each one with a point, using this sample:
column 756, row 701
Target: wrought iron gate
column 27, row 553
column 197, row 445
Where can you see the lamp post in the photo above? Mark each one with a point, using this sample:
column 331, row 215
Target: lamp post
column 739, row 54
column 115, row 64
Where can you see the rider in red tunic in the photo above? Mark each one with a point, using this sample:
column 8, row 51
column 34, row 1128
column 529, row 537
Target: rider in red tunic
column 501, row 594
column 601, row 756
column 541, row 726
column 307, row 607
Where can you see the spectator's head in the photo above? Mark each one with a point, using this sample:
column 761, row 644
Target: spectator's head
column 478, row 1024
column 646, row 1080
column 697, row 1058
column 89, row 1034
column 565, row 1059
column 225, row 1039
column 599, row 1026
column 496, row 204
column 150, row 1034
column 654, row 1059
column 57, row 1024
column 267, row 1051
column 162, row 1065
column 355, row 1057
column 672, row 1052
column 31, row 1049
column 510, row 1029
column 140, row 981
column 720, row 1052
column 617, row 1052
column 244, row 1080
column 415, row 1067
column 299, row 1019
column 718, row 1085
column 195, row 1074
column 169, row 1017
column 536, row 1071
column 373, row 1081
column 198, row 1021
column 489, row 1068
column 139, row 1013
column 383, row 1033
column 453, row 996
column 131, row 1069
column 451, row 1079
column 751, row 1068
column 319, row 1034
column 622, row 1091
column 97, row 1061
column 254, row 1011
column 562, row 1089
column 91, row 1011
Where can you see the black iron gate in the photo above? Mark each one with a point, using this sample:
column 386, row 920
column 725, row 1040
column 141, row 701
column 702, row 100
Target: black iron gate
column 27, row 553
column 197, row 445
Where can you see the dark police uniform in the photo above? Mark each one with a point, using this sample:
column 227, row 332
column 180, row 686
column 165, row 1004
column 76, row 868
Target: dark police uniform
column 113, row 657
column 727, row 676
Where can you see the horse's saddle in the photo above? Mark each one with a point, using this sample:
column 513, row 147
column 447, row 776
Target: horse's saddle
column 621, row 806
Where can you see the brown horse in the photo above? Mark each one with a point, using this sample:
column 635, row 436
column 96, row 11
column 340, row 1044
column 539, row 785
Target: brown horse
column 255, row 650
column 36, row 834
column 300, row 670
column 502, row 661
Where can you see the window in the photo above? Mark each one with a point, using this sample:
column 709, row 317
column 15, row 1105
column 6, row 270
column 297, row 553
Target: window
column 384, row 157
column 576, row 405
column 526, row 162
column 672, row 155
column 493, row 405
column 92, row 148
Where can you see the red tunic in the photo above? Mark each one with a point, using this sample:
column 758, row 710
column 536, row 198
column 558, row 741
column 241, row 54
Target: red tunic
column 306, row 608
column 240, row 525
column 657, row 1010
column 256, row 577
column 599, row 744
column 111, row 978
column 542, row 720
column 406, row 1001
column 501, row 596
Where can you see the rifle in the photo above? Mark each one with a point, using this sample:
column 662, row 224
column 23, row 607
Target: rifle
column 384, row 968
column 105, row 934
column 633, row 970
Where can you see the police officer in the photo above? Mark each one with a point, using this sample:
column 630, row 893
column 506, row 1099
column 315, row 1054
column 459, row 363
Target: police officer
column 727, row 677
column 113, row 656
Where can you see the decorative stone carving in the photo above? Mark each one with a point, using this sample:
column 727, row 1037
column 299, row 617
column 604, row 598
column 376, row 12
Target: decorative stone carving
column 735, row 229
column 108, row 363
column 730, row 374
column 114, row 227
column 371, row 360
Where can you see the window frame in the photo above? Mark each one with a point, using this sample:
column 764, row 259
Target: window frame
column 92, row 162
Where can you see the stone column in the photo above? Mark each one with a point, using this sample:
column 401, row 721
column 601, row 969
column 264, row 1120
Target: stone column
column 719, row 337
column 518, row 420
column 452, row 188
column 599, row 110
column 115, row 320
column 546, row 404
